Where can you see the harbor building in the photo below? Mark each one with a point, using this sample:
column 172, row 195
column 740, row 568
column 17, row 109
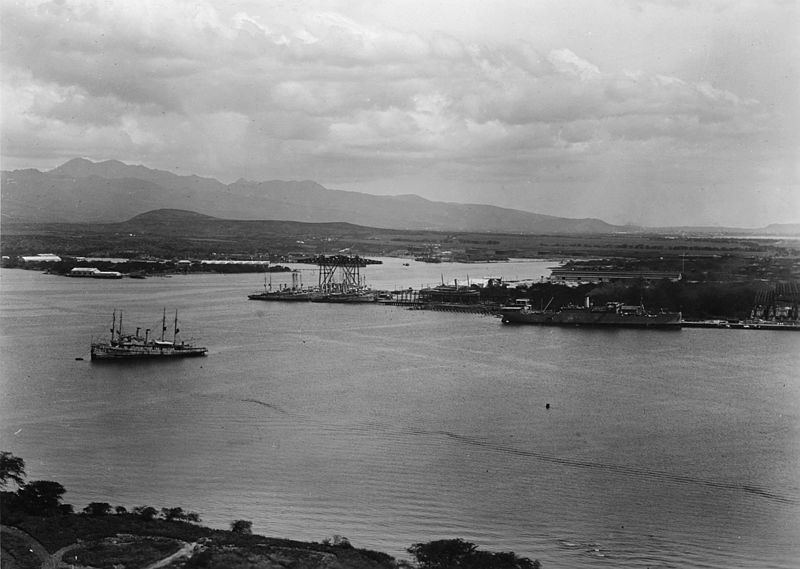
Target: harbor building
column 41, row 258
column 94, row 273
column 597, row 277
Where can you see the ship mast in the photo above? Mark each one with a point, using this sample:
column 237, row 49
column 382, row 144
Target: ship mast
column 163, row 324
column 114, row 323
column 175, row 328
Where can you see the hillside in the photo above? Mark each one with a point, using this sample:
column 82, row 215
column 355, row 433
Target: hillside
column 111, row 191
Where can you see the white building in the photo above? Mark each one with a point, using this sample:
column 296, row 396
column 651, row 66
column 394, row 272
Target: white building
column 42, row 258
column 94, row 273
column 83, row 272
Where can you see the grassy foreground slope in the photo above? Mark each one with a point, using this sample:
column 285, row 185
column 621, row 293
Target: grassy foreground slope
column 130, row 541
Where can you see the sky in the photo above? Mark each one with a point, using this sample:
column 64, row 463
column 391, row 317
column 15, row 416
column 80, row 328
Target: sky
column 652, row 112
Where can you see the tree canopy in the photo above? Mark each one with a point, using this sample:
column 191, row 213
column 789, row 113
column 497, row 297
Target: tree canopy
column 98, row 509
column 148, row 513
column 242, row 526
column 177, row 514
column 41, row 497
column 12, row 468
column 460, row 554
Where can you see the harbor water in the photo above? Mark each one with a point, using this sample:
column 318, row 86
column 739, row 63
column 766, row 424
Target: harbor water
column 582, row 448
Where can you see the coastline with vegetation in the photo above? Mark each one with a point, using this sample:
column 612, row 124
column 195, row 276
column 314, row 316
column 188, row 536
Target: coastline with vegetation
column 717, row 277
column 40, row 530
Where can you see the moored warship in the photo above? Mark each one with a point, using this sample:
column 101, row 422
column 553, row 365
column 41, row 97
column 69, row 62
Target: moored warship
column 610, row 314
column 296, row 292
column 122, row 346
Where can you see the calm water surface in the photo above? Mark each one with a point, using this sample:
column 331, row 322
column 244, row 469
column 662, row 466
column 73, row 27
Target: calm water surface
column 391, row 427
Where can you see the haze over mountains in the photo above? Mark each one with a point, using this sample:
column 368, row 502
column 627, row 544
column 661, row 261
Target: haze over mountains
column 111, row 191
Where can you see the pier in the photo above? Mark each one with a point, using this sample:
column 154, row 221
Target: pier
column 746, row 325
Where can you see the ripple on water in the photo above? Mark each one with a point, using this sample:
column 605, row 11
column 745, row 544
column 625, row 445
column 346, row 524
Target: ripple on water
column 393, row 427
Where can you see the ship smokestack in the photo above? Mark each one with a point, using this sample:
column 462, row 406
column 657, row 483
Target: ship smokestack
column 587, row 302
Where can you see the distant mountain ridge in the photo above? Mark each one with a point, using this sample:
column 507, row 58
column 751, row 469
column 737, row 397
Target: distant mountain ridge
column 111, row 191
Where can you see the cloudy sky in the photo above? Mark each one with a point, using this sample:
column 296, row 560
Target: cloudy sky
column 662, row 112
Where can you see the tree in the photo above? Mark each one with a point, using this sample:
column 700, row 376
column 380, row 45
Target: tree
column 177, row 514
column 148, row 513
column 41, row 497
column 120, row 510
column 243, row 527
column 98, row 509
column 338, row 541
column 460, row 554
column 172, row 514
column 11, row 468
column 443, row 553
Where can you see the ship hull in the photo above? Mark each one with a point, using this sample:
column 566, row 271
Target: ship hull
column 669, row 320
column 108, row 352
column 284, row 297
column 348, row 298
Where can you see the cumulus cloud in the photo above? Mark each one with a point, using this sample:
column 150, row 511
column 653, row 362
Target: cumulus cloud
column 184, row 83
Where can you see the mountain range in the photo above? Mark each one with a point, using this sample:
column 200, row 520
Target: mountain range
column 82, row 191
column 110, row 191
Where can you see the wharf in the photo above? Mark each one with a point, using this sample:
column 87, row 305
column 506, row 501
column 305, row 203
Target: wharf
column 746, row 325
column 454, row 307
column 415, row 304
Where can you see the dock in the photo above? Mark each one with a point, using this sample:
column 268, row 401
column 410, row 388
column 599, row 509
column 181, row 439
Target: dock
column 746, row 325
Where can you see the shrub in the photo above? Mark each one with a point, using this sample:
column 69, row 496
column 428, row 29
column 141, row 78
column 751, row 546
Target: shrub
column 147, row 513
column 98, row 509
column 460, row 554
column 243, row 527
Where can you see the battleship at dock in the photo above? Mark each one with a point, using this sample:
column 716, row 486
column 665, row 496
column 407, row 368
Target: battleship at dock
column 610, row 314
column 340, row 281
column 295, row 293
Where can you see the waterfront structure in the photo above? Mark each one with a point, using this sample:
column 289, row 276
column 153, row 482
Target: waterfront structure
column 94, row 273
column 41, row 258
column 573, row 275
column 340, row 279
column 777, row 302
column 449, row 294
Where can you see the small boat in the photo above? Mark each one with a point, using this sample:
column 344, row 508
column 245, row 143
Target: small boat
column 122, row 346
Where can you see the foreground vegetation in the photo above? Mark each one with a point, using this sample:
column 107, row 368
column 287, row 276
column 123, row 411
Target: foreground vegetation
column 105, row 537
